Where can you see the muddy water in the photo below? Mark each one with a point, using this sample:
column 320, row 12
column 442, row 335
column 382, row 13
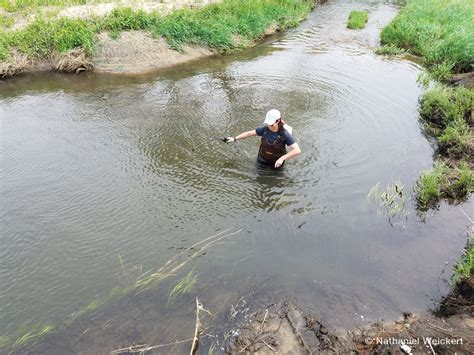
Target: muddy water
column 97, row 167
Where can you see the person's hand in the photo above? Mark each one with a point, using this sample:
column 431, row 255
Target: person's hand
column 279, row 162
column 229, row 139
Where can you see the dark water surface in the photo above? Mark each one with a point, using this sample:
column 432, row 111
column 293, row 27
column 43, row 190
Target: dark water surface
column 94, row 167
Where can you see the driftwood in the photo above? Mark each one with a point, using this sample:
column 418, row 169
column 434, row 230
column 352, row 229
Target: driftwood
column 197, row 328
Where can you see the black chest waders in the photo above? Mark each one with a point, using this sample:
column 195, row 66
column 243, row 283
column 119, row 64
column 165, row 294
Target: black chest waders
column 269, row 151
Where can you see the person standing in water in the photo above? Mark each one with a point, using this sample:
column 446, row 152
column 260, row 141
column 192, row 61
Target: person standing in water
column 276, row 136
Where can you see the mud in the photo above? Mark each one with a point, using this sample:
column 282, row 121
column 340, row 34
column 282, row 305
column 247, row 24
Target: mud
column 460, row 300
column 287, row 329
column 464, row 79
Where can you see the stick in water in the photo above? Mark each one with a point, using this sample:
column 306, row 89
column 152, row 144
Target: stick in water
column 197, row 329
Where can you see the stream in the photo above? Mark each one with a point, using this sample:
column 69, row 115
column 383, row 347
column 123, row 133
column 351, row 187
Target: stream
column 100, row 184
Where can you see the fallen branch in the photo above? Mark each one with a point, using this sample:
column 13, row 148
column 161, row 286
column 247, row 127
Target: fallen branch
column 197, row 329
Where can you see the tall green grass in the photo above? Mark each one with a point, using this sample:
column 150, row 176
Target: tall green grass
column 6, row 21
column 465, row 266
column 447, row 111
column 441, row 31
column 357, row 19
column 17, row 5
column 216, row 26
column 444, row 181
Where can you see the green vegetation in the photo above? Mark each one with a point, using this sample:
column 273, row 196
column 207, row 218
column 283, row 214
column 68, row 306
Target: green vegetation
column 6, row 21
column 441, row 31
column 444, row 181
column 447, row 112
column 17, row 5
column 183, row 287
column 465, row 267
column 32, row 335
column 29, row 332
column 215, row 25
column 357, row 19
column 389, row 49
column 392, row 200
column 4, row 341
column 42, row 37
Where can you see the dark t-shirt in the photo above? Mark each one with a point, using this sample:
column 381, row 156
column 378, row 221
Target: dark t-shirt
column 272, row 137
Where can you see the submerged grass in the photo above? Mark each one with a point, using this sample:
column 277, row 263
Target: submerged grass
column 215, row 25
column 392, row 200
column 357, row 19
column 184, row 286
column 30, row 333
column 441, row 31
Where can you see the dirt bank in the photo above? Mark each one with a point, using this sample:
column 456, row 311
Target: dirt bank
column 138, row 52
column 286, row 329
column 130, row 53
column 125, row 50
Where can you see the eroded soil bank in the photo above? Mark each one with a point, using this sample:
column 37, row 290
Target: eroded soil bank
column 129, row 41
column 286, row 329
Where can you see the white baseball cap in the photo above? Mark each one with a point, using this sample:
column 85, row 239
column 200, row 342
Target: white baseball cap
column 272, row 116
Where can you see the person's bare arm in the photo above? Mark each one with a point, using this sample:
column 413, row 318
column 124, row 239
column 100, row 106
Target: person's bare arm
column 241, row 136
column 294, row 151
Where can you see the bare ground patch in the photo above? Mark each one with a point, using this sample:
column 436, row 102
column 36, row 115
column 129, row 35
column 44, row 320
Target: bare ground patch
column 286, row 329
column 138, row 52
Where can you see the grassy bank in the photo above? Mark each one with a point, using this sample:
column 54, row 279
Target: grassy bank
column 357, row 19
column 447, row 115
column 224, row 26
column 440, row 31
column 18, row 5
column 465, row 266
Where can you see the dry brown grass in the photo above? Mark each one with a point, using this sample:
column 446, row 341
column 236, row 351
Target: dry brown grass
column 14, row 65
column 74, row 61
